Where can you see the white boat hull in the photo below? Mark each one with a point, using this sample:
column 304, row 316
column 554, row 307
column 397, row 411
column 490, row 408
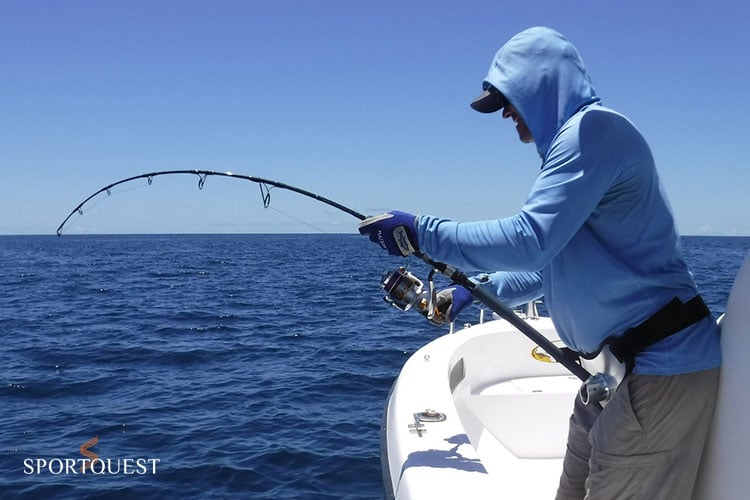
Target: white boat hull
column 726, row 459
column 506, row 415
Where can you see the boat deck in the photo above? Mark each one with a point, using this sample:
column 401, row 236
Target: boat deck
column 506, row 417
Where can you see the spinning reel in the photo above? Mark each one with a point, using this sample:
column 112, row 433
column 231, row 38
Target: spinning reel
column 405, row 291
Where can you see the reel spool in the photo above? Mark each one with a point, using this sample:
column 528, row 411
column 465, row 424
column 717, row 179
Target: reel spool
column 405, row 291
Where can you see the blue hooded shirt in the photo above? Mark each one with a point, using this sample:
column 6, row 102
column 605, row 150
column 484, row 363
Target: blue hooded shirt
column 596, row 235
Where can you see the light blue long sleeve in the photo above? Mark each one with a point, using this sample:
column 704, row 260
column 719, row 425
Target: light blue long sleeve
column 513, row 289
column 596, row 224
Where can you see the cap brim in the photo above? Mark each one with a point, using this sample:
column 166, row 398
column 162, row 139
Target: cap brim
column 489, row 102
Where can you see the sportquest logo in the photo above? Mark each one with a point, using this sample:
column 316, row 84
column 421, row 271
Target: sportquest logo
column 86, row 453
column 92, row 464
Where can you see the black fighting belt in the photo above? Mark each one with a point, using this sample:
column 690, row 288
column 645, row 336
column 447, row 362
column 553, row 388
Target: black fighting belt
column 668, row 320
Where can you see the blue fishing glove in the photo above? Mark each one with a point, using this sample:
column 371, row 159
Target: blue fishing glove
column 451, row 301
column 394, row 231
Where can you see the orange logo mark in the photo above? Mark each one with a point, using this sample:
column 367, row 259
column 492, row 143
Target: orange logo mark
column 90, row 454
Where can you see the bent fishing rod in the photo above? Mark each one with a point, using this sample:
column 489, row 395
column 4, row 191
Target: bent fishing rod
column 264, row 184
column 479, row 293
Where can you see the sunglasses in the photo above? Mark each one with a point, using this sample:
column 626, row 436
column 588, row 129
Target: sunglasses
column 501, row 100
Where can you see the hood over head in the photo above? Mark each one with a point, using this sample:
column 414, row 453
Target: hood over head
column 544, row 78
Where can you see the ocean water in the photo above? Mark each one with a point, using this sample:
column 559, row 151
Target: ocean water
column 212, row 366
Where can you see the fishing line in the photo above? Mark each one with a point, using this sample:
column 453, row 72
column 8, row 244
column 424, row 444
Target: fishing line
column 79, row 212
column 266, row 204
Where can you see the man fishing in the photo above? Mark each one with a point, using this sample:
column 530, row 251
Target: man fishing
column 596, row 237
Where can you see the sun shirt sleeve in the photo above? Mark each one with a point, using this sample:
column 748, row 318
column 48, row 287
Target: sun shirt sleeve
column 578, row 171
column 512, row 288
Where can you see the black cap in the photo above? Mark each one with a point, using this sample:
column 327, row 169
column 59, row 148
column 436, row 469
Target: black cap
column 490, row 100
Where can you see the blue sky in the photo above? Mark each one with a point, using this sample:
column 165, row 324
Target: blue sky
column 362, row 102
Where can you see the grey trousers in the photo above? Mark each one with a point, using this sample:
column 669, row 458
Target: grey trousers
column 645, row 444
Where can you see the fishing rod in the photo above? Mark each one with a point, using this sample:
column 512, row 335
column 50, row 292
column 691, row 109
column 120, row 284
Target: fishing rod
column 406, row 287
column 265, row 190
